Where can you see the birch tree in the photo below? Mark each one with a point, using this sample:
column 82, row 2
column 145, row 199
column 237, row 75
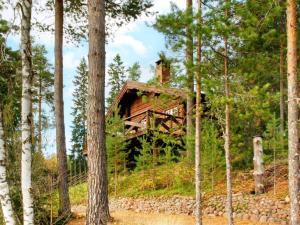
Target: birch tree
column 198, row 121
column 293, row 141
column 27, row 119
column 5, row 199
column 97, row 210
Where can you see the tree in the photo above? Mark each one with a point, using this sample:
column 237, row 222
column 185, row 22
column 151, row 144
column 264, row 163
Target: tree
column 134, row 72
column 198, row 211
column 116, row 144
column 190, row 78
column 27, row 120
column 97, row 210
column 116, row 73
column 227, row 122
column 5, row 199
column 293, row 142
column 43, row 83
column 64, row 201
column 78, row 138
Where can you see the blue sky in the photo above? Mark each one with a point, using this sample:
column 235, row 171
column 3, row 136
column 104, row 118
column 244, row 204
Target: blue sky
column 135, row 42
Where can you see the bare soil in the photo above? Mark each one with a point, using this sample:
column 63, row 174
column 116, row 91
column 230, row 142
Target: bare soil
column 133, row 218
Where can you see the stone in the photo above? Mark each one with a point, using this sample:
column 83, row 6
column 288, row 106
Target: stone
column 263, row 219
column 287, row 199
column 245, row 217
column 254, row 217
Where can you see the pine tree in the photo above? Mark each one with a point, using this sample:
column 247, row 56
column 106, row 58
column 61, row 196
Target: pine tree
column 293, row 135
column 116, row 73
column 97, row 209
column 43, row 90
column 116, row 145
column 134, row 72
column 64, row 199
column 198, row 210
column 79, row 116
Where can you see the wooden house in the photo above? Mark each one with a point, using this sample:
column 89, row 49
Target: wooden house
column 146, row 107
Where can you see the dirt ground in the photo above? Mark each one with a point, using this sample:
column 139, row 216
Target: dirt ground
column 133, row 218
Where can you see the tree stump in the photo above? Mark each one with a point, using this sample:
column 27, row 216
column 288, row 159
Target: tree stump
column 258, row 165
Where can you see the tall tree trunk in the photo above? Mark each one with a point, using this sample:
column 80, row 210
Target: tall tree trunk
column 97, row 210
column 64, row 201
column 293, row 141
column 198, row 211
column 7, row 211
column 27, row 120
column 227, row 127
column 227, row 137
column 281, row 71
column 190, row 82
column 40, row 116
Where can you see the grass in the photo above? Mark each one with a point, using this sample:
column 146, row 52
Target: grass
column 178, row 179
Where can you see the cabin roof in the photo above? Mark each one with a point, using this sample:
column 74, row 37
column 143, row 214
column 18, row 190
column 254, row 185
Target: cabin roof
column 143, row 87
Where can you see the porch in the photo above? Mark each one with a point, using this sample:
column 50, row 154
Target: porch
column 150, row 120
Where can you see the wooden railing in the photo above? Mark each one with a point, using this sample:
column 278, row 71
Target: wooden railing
column 145, row 121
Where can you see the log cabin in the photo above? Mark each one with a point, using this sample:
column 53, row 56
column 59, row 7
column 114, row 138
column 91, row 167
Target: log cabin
column 147, row 107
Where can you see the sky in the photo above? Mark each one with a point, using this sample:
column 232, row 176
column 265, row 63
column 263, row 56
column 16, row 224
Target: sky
column 135, row 42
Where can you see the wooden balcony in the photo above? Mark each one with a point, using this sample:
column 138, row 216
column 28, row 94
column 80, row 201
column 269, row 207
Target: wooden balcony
column 150, row 120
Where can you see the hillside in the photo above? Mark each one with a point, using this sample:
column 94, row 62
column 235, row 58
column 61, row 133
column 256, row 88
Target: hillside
column 137, row 196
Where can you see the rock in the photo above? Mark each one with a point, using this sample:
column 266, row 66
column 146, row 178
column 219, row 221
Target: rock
column 245, row 217
column 254, row 217
column 263, row 219
column 287, row 199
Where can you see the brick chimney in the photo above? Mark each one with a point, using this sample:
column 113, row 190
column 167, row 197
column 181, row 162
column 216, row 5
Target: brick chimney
column 163, row 71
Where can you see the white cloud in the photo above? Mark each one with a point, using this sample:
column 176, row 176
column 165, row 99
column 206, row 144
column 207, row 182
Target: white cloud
column 129, row 41
column 71, row 60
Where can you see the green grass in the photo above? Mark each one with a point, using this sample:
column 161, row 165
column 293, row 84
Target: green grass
column 165, row 180
column 78, row 194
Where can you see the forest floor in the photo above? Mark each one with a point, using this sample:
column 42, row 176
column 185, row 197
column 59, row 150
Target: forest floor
column 134, row 218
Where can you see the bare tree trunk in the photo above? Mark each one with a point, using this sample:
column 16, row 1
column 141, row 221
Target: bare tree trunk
column 40, row 116
column 198, row 210
column 7, row 211
column 258, row 165
column 64, row 201
column 281, row 71
column 293, row 141
column 27, row 120
column 227, row 128
column 227, row 138
column 190, row 82
column 97, row 210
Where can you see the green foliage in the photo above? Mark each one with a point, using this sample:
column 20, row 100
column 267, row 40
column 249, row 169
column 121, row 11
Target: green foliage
column 116, row 78
column 274, row 141
column 212, row 154
column 76, row 13
column 145, row 159
column 134, row 72
column 78, row 139
column 116, row 148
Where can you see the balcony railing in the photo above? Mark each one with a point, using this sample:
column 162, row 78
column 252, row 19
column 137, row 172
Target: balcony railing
column 149, row 120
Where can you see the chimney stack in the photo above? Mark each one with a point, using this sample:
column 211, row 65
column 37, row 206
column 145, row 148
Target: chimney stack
column 163, row 71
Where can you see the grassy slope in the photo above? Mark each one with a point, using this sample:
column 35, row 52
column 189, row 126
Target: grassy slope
column 178, row 179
